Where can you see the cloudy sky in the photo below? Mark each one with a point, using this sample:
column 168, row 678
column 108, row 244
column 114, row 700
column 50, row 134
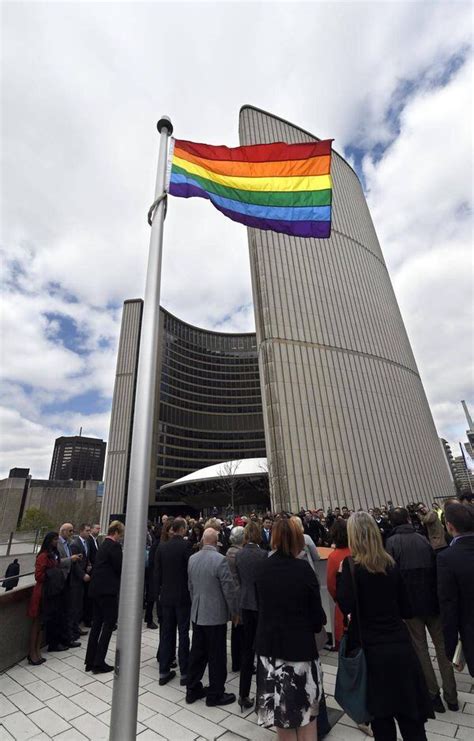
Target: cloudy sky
column 82, row 87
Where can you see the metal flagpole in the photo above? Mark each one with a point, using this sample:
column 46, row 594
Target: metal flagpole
column 123, row 721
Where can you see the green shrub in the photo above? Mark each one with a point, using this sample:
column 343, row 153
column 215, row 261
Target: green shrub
column 36, row 519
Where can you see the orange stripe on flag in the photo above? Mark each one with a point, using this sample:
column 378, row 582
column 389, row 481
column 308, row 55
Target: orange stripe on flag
column 319, row 165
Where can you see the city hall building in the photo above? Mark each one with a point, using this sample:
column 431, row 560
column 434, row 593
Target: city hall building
column 340, row 409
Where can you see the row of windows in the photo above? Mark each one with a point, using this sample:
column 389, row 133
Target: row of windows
column 214, row 386
column 206, row 435
column 230, row 371
column 210, row 340
column 199, row 356
column 204, row 421
column 224, row 405
column 184, row 443
column 165, row 451
column 207, row 380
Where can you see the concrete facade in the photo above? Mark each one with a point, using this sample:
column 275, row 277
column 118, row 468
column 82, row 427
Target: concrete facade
column 346, row 416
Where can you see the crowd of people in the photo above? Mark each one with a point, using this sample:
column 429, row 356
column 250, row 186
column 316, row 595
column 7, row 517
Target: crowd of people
column 396, row 574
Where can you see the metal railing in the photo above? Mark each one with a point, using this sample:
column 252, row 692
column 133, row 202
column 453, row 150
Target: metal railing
column 17, row 576
column 17, row 538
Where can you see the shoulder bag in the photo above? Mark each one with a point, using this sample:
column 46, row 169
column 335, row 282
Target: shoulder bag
column 351, row 679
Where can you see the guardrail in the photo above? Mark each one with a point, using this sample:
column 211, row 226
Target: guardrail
column 18, row 538
column 17, row 576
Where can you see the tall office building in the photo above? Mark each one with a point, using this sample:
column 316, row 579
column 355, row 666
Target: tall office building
column 346, row 417
column 208, row 405
column 78, row 458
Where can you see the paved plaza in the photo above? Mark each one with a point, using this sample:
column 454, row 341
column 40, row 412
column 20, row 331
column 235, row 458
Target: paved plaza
column 60, row 700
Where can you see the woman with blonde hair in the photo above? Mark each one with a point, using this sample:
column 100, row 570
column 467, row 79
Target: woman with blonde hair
column 369, row 585
column 309, row 551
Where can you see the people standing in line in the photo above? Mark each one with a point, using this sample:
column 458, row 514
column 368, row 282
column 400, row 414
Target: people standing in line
column 289, row 615
column 340, row 551
column 150, row 578
column 456, row 582
column 67, row 561
column 213, row 597
column 104, row 591
column 80, row 574
column 248, row 562
column 92, row 547
column 416, row 560
column 195, row 536
column 266, row 534
column 171, row 578
column 396, row 686
column 236, row 540
column 47, row 601
column 434, row 527
column 12, row 571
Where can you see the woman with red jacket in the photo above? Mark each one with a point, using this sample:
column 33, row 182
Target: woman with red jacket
column 341, row 551
column 45, row 603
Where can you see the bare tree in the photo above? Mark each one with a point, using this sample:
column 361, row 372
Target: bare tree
column 227, row 480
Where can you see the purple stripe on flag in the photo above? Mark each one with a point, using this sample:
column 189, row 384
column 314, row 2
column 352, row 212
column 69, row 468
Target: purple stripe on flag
column 318, row 229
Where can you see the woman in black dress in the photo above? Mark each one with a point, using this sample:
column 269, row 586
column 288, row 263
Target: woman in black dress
column 396, row 687
column 289, row 614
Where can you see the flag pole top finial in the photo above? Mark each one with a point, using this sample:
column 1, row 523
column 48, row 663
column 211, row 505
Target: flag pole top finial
column 165, row 123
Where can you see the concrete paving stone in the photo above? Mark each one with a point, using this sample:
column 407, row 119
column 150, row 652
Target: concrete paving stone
column 151, row 670
column 4, row 735
column 71, row 735
column 76, row 662
column 144, row 712
column 6, row 707
column 103, row 678
column 90, row 703
column 41, row 737
column 49, row 721
column 344, row 733
column 329, row 669
column 464, row 733
column 20, row 726
column 462, row 719
column 43, row 691
column 229, row 736
column 80, row 677
column 444, row 729
column 100, row 690
column 21, row 675
column 158, row 704
column 243, row 727
column 197, row 723
column 149, row 735
column 91, row 727
column 105, row 718
column 435, row 736
column 167, row 692
column 8, row 686
column 468, row 708
column 26, row 702
column 169, row 729
column 67, row 688
column 64, row 707
column 216, row 715
column 43, row 672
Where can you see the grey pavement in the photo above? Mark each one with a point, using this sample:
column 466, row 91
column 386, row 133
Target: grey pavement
column 60, row 701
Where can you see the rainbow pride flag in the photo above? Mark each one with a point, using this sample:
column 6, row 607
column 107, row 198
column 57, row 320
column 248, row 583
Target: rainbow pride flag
column 283, row 187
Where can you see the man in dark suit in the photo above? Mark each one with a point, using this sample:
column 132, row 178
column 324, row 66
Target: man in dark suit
column 266, row 534
column 456, row 582
column 171, row 569
column 93, row 547
column 80, row 574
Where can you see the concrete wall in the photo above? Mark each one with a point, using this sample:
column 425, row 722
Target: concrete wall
column 15, row 626
column 11, row 492
column 76, row 504
column 346, row 417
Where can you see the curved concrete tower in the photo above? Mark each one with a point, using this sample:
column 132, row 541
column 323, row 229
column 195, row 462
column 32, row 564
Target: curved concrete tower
column 346, row 417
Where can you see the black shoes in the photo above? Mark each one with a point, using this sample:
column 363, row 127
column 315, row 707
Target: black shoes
column 102, row 669
column 152, row 625
column 183, row 681
column 74, row 644
column 35, row 663
column 438, row 706
column 226, row 699
column 173, row 664
column 453, row 706
column 58, row 647
column 83, row 632
column 168, row 678
column 245, row 703
column 197, row 694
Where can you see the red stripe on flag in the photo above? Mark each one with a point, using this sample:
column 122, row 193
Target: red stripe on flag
column 257, row 152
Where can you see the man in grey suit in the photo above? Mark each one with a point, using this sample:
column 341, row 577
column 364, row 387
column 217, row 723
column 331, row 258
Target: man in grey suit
column 67, row 561
column 213, row 603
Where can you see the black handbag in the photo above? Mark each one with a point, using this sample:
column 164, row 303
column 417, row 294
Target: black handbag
column 351, row 679
column 55, row 582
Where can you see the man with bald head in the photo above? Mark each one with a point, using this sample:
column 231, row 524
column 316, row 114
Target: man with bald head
column 213, row 603
column 68, row 558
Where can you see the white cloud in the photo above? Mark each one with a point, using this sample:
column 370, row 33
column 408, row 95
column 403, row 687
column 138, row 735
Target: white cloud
column 82, row 86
